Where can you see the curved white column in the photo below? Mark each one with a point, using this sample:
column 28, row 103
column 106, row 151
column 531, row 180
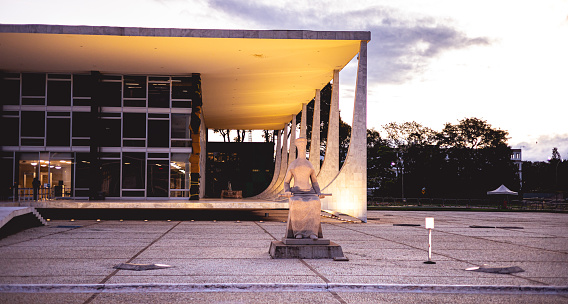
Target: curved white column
column 330, row 166
column 303, row 125
column 315, row 140
column 277, row 161
column 349, row 189
column 279, row 185
column 292, row 151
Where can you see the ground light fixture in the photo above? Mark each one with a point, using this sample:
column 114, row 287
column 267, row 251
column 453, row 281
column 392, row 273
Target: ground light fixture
column 429, row 225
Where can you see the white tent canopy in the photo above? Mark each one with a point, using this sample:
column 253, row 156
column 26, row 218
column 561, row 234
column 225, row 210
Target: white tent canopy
column 502, row 190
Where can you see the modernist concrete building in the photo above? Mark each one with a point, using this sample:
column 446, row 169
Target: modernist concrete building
column 122, row 113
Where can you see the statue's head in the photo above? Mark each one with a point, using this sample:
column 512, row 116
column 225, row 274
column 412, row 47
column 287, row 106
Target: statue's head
column 301, row 142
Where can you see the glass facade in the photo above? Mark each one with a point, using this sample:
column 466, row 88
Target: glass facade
column 93, row 135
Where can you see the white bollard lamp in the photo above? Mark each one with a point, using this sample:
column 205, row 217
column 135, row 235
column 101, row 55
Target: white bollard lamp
column 429, row 225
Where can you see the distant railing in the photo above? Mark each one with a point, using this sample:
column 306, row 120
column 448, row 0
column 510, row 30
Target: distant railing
column 514, row 204
column 27, row 194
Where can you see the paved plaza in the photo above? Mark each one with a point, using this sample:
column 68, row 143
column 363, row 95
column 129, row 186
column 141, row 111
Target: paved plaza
column 227, row 261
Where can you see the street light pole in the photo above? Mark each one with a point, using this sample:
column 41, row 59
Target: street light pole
column 402, row 178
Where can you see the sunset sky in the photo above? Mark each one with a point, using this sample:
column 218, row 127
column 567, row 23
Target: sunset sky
column 429, row 61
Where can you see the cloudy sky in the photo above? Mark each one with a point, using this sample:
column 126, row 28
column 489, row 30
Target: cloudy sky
column 432, row 62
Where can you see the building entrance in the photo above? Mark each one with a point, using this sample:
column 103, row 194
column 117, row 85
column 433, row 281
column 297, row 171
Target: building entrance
column 53, row 171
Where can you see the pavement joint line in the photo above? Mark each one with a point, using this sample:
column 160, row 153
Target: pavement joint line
column 97, row 292
column 502, row 242
column 58, row 232
column 447, row 256
column 333, row 293
column 282, row 287
column 266, row 231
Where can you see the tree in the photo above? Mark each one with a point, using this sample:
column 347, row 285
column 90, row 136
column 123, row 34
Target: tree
column 471, row 133
column 555, row 155
column 225, row 133
column 464, row 160
column 268, row 135
column 240, row 136
column 380, row 177
column 409, row 133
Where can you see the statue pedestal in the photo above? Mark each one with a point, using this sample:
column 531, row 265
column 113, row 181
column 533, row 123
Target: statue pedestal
column 311, row 250
column 290, row 241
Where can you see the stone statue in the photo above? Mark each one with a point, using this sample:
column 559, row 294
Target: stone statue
column 304, row 197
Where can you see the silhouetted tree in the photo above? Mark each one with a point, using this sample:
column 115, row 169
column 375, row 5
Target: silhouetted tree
column 225, row 133
column 471, row 133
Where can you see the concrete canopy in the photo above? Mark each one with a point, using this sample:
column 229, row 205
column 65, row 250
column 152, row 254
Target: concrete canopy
column 250, row 79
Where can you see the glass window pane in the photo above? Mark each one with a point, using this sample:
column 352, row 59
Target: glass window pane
column 110, row 94
column 181, row 87
column 134, row 86
column 33, row 123
column 159, row 95
column 61, row 170
column 10, row 135
column 33, row 84
column 158, row 133
column 134, row 125
column 11, row 91
column 180, row 126
column 58, row 131
column 81, row 124
column 82, row 178
column 110, row 133
column 7, row 178
column 158, row 178
column 110, row 170
column 81, row 86
column 28, row 170
column 133, row 170
column 59, row 93
column 179, row 175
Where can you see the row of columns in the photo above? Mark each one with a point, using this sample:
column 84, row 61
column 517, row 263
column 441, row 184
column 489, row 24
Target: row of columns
column 348, row 186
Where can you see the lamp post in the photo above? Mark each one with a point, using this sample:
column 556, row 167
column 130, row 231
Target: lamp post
column 399, row 165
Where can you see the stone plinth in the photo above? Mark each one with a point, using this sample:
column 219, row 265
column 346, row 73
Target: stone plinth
column 279, row 250
column 290, row 241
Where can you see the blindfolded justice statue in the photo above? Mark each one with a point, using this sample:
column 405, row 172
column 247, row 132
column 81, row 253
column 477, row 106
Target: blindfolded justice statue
column 304, row 197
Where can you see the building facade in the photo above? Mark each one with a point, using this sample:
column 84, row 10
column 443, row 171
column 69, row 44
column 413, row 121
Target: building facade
column 59, row 128
column 116, row 112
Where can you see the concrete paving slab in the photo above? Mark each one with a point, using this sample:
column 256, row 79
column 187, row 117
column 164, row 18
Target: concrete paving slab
column 483, row 254
column 57, row 267
column 123, row 277
column 215, row 297
column 409, row 254
column 403, row 298
column 81, row 242
column 255, row 243
column 40, row 252
column 206, row 252
column 52, row 279
column 230, row 252
column 44, row 298
column 75, row 234
column 235, row 267
column 426, row 278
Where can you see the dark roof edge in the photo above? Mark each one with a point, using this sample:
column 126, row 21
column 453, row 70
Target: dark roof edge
column 180, row 32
